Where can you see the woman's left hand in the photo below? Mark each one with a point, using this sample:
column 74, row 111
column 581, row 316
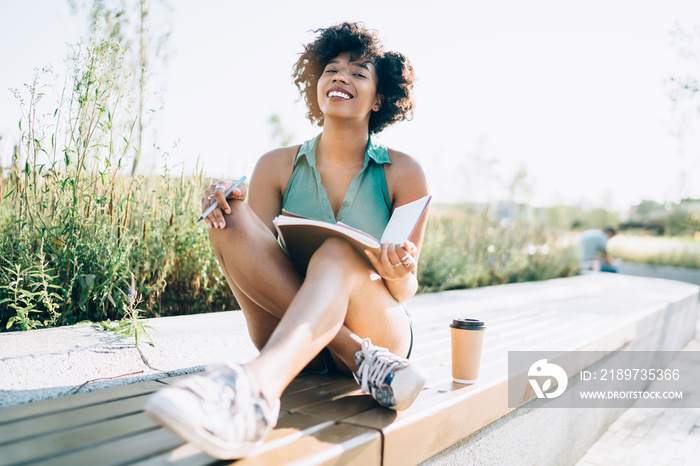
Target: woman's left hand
column 394, row 261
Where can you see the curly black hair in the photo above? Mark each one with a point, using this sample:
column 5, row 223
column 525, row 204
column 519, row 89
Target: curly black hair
column 394, row 71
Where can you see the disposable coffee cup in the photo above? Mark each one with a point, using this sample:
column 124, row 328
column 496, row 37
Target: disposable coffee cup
column 467, row 341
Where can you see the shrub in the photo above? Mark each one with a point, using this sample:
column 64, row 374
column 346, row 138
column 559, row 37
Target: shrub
column 467, row 250
column 679, row 252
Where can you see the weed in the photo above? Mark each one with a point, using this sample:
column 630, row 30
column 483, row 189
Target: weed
column 131, row 324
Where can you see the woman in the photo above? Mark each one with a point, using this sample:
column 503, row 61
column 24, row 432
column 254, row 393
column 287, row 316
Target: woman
column 340, row 316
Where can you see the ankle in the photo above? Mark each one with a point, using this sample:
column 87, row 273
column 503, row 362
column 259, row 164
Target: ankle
column 345, row 350
column 269, row 387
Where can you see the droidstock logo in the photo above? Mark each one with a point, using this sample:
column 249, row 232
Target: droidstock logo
column 542, row 368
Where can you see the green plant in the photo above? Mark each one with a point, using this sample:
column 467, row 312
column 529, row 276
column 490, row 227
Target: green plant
column 678, row 252
column 31, row 290
column 67, row 195
column 131, row 324
column 466, row 248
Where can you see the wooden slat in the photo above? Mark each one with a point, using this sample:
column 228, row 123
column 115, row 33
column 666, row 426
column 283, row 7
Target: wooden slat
column 307, row 381
column 304, row 381
column 342, row 386
column 73, row 439
column 340, row 408
column 121, row 451
column 37, row 408
column 184, row 455
column 64, row 420
column 288, row 430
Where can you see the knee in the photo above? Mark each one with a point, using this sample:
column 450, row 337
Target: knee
column 335, row 254
column 237, row 223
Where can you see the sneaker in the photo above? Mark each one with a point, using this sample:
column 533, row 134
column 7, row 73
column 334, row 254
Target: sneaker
column 393, row 381
column 222, row 412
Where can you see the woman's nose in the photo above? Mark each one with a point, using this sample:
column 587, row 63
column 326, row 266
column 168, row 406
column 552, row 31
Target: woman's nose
column 339, row 77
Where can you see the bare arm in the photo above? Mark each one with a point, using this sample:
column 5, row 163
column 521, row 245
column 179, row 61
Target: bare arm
column 264, row 194
column 407, row 183
column 268, row 183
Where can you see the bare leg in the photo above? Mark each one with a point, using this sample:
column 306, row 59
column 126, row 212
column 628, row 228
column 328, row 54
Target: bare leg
column 336, row 303
column 252, row 261
column 250, row 257
column 337, row 290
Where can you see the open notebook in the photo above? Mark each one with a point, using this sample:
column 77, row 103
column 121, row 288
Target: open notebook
column 302, row 236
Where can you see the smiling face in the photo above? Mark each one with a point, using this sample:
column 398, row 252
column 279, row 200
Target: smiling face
column 348, row 88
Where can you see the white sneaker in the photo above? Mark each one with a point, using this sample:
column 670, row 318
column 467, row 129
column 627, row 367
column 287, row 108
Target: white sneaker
column 222, row 412
column 393, row 381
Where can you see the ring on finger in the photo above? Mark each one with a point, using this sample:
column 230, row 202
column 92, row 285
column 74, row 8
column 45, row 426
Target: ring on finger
column 209, row 197
column 407, row 260
column 219, row 186
column 397, row 264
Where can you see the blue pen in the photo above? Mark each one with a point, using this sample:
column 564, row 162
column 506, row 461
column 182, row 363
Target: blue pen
column 226, row 195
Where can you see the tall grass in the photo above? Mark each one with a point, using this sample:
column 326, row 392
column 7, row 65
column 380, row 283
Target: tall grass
column 678, row 252
column 74, row 228
column 467, row 250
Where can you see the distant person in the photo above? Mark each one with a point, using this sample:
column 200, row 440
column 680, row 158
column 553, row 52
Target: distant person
column 593, row 250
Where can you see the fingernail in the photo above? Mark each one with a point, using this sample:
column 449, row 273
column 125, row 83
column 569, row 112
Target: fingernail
column 222, row 224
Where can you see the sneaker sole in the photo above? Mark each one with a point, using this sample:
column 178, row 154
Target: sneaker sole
column 158, row 411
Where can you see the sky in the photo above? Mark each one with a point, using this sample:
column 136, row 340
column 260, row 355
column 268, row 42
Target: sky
column 574, row 94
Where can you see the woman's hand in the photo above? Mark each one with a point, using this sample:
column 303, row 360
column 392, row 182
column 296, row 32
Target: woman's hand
column 394, row 261
column 216, row 192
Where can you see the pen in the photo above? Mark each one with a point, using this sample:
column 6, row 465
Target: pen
column 227, row 194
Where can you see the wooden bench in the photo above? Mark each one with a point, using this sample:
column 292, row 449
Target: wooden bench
column 325, row 419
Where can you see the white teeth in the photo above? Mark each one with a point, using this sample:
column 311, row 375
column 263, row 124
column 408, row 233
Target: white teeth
column 342, row 95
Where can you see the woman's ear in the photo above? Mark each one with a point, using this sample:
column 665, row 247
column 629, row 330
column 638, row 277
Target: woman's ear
column 378, row 103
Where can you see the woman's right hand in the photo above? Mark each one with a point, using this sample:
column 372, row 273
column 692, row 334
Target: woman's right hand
column 216, row 192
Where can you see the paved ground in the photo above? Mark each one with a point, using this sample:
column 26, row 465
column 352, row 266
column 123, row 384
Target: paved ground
column 650, row 436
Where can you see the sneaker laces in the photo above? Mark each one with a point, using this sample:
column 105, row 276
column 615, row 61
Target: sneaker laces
column 376, row 365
